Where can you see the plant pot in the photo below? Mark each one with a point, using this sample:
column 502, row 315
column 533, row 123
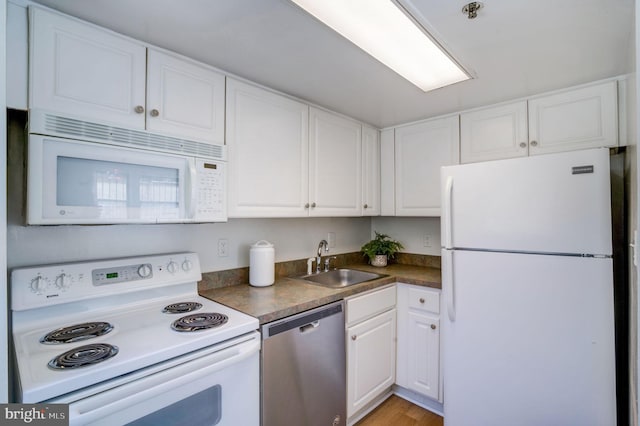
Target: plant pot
column 379, row 260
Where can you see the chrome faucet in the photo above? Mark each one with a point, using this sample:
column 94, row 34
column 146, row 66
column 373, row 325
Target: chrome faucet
column 319, row 257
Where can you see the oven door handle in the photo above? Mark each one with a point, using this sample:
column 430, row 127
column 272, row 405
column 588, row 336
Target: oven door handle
column 112, row 405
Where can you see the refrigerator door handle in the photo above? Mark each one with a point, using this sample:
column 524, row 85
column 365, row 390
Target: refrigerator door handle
column 448, row 283
column 448, row 193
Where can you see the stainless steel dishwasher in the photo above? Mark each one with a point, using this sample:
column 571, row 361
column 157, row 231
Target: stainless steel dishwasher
column 304, row 369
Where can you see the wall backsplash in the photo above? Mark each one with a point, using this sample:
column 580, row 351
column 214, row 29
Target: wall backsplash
column 411, row 232
column 294, row 268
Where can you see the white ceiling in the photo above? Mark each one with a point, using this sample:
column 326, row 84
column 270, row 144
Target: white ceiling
column 514, row 48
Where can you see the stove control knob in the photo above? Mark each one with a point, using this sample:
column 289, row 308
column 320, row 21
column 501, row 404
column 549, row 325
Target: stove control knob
column 187, row 265
column 39, row 284
column 144, row 271
column 63, row 281
column 172, row 267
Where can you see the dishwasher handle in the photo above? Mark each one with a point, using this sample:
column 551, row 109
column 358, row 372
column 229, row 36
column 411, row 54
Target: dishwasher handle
column 309, row 327
column 304, row 322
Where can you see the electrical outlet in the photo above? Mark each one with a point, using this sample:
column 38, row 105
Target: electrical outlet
column 427, row 240
column 331, row 239
column 223, row 247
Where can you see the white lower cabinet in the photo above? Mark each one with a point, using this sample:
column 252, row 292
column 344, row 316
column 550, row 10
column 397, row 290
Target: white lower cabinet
column 371, row 347
column 418, row 353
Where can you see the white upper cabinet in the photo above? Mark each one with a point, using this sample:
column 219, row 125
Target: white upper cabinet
column 84, row 71
column 576, row 119
column 420, row 150
column 335, row 165
column 184, row 99
column 267, row 143
column 581, row 118
column 494, row 133
column 289, row 160
column 370, row 171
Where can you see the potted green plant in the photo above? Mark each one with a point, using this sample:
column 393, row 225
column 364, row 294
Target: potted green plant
column 380, row 249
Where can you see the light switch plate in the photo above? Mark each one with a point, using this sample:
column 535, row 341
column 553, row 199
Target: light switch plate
column 331, row 239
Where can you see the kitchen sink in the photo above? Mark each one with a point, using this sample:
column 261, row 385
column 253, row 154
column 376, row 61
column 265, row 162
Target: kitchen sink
column 340, row 277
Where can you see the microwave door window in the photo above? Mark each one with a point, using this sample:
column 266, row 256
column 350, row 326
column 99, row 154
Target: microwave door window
column 117, row 191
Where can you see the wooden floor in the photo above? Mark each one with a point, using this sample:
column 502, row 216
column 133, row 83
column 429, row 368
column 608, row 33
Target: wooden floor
column 396, row 411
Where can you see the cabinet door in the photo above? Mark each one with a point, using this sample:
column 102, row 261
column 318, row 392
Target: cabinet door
column 577, row 119
column 418, row 356
column 184, row 98
column 387, row 173
column 84, row 71
column 420, row 150
column 370, row 171
column 423, row 354
column 371, row 359
column 494, row 133
column 267, row 141
column 335, row 165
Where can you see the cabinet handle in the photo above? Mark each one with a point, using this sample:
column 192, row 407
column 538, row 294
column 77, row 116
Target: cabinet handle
column 523, row 145
column 354, row 337
column 534, row 143
column 433, row 326
column 306, row 206
column 366, row 206
column 139, row 109
column 313, row 205
column 422, row 300
column 155, row 113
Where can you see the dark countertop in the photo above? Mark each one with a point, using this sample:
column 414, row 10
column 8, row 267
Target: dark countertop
column 289, row 296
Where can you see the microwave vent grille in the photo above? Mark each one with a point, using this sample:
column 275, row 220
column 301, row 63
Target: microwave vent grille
column 85, row 130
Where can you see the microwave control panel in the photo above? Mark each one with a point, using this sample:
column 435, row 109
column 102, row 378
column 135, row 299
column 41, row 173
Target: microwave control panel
column 210, row 202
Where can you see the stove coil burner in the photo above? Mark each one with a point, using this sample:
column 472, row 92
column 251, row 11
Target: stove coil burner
column 83, row 356
column 182, row 307
column 76, row 333
column 199, row 322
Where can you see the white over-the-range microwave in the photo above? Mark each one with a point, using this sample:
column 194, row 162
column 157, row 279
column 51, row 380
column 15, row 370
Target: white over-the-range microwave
column 81, row 172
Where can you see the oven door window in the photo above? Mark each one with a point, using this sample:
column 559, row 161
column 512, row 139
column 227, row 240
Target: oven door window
column 201, row 409
column 118, row 190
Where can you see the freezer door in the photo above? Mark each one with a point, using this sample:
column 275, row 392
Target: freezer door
column 531, row 341
column 557, row 203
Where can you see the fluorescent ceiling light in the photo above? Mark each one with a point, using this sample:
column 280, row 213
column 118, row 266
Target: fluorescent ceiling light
column 385, row 32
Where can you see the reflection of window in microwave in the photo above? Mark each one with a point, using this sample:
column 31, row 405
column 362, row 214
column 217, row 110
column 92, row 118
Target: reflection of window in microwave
column 159, row 190
column 120, row 190
column 111, row 186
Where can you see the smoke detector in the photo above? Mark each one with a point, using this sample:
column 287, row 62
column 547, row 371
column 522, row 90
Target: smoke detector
column 471, row 9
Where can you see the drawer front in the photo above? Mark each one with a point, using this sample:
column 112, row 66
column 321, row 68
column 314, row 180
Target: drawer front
column 367, row 305
column 424, row 300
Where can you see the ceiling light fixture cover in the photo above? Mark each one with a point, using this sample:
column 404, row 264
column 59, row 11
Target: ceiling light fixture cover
column 383, row 30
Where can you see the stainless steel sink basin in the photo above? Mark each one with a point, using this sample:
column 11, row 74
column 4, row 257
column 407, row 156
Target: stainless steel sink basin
column 340, row 277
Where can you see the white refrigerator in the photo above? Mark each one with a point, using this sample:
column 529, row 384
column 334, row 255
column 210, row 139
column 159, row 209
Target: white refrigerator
column 528, row 330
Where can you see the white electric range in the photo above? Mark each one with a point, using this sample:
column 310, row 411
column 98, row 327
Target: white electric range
column 131, row 341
